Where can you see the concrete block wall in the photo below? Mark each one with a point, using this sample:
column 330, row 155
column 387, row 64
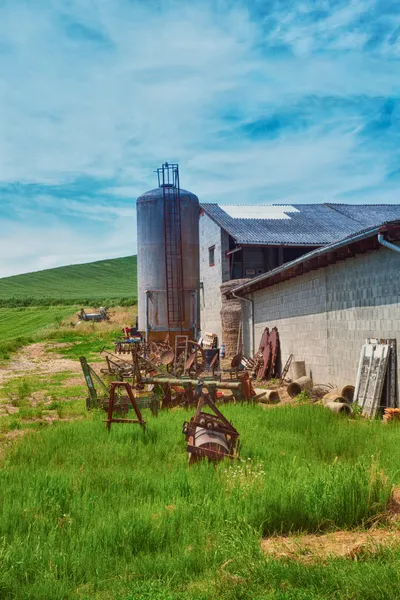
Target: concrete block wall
column 212, row 277
column 324, row 316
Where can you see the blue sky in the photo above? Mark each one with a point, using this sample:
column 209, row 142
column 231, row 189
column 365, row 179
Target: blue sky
column 258, row 101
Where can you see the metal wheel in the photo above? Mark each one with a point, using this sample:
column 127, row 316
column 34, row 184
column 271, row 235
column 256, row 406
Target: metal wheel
column 196, row 360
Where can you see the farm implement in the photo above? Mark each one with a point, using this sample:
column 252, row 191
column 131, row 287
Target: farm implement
column 140, row 383
column 209, row 435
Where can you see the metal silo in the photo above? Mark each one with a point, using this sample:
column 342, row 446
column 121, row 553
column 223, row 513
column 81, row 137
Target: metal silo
column 168, row 258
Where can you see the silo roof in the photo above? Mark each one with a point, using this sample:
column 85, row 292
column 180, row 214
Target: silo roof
column 158, row 192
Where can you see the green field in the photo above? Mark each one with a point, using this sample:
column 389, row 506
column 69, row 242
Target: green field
column 87, row 515
column 91, row 515
column 108, row 282
column 20, row 326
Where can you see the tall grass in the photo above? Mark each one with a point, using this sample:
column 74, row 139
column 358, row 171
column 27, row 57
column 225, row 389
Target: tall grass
column 86, row 512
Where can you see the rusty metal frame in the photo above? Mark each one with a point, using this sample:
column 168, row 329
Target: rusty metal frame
column 221, row 425
column 110, row 419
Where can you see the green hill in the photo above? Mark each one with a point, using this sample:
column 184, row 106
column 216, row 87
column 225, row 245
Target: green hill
column 108, row 282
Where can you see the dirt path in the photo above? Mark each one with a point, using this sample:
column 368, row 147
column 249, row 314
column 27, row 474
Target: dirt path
column 349, row 544
column 36, row 358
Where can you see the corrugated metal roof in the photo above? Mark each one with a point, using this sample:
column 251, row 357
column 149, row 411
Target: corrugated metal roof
column 308, row 225
column 331, row 253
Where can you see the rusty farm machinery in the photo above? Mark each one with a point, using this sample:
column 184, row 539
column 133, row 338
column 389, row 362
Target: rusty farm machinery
column 158, row 376
column 186, row 358
column 138, row 382
column 209, row 434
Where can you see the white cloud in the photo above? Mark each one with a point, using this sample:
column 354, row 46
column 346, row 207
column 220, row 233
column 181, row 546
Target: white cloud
column 109, row 90
column 25, row 248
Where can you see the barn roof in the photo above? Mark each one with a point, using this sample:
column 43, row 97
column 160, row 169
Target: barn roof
column 298, row 224
column 357, row 243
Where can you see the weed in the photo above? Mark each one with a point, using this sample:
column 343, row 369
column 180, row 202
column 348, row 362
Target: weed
column 24, row 389
column 60, row 409
column 303, row 397
column 357, row 409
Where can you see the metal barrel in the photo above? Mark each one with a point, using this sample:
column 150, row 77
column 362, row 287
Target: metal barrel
column 211, row 440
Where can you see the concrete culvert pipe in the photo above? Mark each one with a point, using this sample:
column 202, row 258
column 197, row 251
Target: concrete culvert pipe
column 298, row 369
column 269, row 396
column 334, row 397
column 339, row 407
column 294, row 388
column 348, row 392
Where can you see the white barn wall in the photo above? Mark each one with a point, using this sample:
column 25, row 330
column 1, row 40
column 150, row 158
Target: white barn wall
column 211, row 277
column 324, row 316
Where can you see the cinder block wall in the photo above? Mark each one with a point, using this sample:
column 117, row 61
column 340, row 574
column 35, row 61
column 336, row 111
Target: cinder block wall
column 212, row 277
column 324, row 316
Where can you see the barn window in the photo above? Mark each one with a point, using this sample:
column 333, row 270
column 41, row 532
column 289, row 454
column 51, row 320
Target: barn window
column 211, row 256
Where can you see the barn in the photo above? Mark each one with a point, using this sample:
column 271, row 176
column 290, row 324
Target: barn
column 244, row 244
column 326, row 303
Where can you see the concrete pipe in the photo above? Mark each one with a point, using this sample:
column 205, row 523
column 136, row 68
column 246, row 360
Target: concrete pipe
column 294, row 388
column 339, row 407
column 333, row 397
column 298, row 369
column 348, row 392
column 271, row 397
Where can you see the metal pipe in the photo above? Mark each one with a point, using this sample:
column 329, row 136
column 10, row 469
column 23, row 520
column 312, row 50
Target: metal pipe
column 252, row 320
column 223, row 385
column 196, row 301
column 228, row 253
column 147, row 293
column 387, row 244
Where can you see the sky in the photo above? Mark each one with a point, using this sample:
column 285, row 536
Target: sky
column 259, row 101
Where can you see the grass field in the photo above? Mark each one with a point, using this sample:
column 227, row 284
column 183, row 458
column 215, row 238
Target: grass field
column 87, row 515
column 109, row 282
column 19, row 326
column 90, row 515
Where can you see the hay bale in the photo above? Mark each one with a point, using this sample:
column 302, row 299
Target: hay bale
column 231, row 316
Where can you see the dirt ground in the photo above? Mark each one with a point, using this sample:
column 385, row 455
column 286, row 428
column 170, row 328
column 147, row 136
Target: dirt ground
column 37, row 358
column 349, row 544
column 346, row 544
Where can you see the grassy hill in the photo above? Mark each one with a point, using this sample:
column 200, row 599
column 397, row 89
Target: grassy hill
column 108, row 282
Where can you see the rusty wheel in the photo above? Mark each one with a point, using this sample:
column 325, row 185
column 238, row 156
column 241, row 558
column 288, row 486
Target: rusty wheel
column 196, row 361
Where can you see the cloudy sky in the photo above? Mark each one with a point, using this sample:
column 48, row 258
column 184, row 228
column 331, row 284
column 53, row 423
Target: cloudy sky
column 258, row 100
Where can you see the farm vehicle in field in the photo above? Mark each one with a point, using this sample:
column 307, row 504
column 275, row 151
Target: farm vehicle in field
column 102, row 315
